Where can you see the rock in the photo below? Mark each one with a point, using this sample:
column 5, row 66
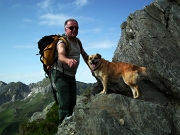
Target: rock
column 150, row 38
column 140, row 117
column 176, row 120
column 41, row 115
column 103, row 124
column 115, row 113
column 2, row 84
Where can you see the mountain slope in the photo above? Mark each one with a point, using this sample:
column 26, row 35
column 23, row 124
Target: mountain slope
column 19, row 102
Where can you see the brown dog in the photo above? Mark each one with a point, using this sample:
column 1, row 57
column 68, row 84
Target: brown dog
column 105, row 70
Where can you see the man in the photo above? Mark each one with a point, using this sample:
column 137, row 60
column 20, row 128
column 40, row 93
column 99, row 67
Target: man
column 64, row 70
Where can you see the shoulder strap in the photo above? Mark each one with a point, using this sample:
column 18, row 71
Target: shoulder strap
column 79, row 41
column 68, row 47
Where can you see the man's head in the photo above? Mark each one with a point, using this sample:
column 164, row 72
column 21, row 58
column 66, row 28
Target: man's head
column 71, row 28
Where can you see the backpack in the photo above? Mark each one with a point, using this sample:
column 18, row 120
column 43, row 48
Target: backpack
column 47, row 48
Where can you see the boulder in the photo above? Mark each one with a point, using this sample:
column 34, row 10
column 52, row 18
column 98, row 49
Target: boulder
column 150, row 38
column 118, row 114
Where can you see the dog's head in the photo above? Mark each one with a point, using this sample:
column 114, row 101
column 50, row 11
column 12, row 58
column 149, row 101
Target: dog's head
column 94, row 61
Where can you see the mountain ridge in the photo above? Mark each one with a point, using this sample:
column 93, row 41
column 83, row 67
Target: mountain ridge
column 19, row 90
column 19, row 102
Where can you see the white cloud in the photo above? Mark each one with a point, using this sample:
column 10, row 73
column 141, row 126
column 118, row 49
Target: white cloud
column 62, row 6
column 16, row 6
column 53, row 19
column 80, row 3
column 44, row 4
column 59, row 19
column 77, row 3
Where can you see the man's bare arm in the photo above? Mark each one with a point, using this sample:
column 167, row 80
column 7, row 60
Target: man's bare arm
column 62, row 56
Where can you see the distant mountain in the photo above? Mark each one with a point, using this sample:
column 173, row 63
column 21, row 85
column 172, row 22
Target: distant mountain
column 18, row 90
column 2, row 84
column 19, row 101
column 13, row 91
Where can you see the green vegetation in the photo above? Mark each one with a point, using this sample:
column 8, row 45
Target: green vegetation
column 87, row 91
column 46, row 126
column 14, row 113
column 14, row 116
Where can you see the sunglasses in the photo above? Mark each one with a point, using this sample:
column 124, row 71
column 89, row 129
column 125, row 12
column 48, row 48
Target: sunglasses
column 73, row 27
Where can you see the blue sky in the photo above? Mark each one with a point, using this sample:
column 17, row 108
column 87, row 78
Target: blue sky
column 24, row 22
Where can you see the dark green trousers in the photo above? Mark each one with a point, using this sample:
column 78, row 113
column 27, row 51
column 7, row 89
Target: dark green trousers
column 66, row 93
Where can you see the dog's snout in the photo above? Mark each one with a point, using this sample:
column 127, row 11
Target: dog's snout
column 93, row 61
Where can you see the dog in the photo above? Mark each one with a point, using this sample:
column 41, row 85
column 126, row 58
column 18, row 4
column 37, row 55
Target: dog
column 105, row 70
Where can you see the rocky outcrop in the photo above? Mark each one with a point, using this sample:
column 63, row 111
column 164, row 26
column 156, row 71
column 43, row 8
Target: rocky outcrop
column 41, row 115
column 113, row 113
column 150, row 38
column 41, row 86
column 2, row 84
column 118, row 114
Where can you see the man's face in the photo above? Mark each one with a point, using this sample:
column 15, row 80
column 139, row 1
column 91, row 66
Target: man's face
column 71, row 29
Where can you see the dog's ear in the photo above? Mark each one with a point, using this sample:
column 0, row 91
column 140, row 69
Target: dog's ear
column 99, row 55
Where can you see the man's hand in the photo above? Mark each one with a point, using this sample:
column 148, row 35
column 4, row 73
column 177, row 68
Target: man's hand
column 72, row 63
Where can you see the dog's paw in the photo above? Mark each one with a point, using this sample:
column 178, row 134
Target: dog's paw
column 135, row 97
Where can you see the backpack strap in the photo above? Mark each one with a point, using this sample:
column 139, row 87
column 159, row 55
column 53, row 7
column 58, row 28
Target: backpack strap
column 68, row 47
column 80, row 44
column 54, row 90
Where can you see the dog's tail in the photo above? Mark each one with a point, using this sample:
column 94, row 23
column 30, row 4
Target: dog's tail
column 143, row 71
